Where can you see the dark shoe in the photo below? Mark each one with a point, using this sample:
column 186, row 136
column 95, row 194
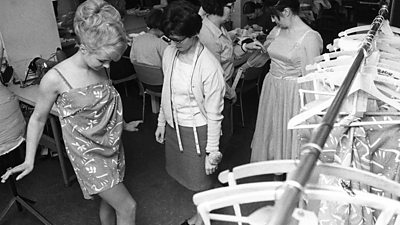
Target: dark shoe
column 185, row 223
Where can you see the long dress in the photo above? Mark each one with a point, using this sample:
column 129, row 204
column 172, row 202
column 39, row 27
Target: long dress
column 280, row 101
column 92, row 123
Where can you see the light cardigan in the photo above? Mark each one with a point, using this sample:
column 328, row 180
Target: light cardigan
column 208, row 88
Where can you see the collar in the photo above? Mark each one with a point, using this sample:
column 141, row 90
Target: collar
column 211, row 26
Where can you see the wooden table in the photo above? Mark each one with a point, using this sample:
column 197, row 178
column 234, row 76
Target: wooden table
column 28, row 95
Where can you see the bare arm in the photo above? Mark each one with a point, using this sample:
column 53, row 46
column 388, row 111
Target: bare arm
column 47, row 94
column 312, row 45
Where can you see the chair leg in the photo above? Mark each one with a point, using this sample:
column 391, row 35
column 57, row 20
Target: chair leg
column 14, row 191
column 126, row 89
column 241, row 108
column 33, row 211
column 6, row 209
column 21, row 203
column 143, row 105
column 231, row 112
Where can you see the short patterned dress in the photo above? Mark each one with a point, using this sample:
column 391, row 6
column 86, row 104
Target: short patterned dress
column 92, row 123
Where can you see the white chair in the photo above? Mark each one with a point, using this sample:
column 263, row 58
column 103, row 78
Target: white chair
column 151, row 78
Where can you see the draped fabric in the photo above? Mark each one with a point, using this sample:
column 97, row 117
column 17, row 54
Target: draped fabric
column 373, row 148
column 92, row 123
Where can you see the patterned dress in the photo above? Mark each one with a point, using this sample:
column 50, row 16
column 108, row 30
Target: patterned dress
column 373, row 148
column 92, row 123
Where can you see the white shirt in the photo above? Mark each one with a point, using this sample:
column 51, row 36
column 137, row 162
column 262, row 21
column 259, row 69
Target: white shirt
column 183, row 101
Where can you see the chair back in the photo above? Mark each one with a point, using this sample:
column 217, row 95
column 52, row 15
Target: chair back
column 121, row 69
column 148, row 74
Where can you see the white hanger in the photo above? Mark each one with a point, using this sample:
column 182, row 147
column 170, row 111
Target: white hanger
column 366, row 28
column 329, row 56
column 340, row 61
column 208, row 201
column 288, row 166
column 364, row 81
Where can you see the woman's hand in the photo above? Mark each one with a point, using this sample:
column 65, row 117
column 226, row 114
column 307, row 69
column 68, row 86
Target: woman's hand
column 255, row 45
column 160, row 134
column 210, row 168
column 25, row 168
column 256, row 27
column 132, row 126
column 212, row 160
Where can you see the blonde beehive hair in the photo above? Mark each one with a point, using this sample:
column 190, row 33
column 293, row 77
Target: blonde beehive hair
column 99, row 27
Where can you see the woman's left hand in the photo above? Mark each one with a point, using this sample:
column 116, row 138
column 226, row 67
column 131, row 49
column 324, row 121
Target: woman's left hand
column 132, row 126
column 210, row 168
column 255, row 45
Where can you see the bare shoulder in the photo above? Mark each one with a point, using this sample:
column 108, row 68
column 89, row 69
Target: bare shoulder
column 50, row 82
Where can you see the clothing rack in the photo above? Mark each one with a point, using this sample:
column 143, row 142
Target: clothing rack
column 310, row 152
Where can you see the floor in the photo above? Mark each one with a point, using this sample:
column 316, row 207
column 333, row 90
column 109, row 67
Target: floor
column 161, row 200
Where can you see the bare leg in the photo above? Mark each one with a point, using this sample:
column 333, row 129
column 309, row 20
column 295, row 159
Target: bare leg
column 196, row 220
column 124, row 205
column 107, row 213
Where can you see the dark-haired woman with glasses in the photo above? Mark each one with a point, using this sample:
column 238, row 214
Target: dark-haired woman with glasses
column 191, row 104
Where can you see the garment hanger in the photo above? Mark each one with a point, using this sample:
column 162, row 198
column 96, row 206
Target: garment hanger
column 332, row 55
column 350, row 40
column 374, row 181
column 334, row 74
column 208, row 202
column 288, row 166
column 366, row 28
column 340, row 61
column 389, row 56
column 364, row 81
column 345, row 60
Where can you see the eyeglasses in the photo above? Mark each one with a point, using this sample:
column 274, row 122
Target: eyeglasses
column 169, row 40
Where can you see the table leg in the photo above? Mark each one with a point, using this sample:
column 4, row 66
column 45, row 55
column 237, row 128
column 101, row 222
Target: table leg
column 59, row 146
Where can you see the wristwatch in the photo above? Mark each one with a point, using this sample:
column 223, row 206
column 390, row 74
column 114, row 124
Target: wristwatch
column 214, row 157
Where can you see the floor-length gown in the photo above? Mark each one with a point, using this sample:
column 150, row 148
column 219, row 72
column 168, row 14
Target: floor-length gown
column 280, row 100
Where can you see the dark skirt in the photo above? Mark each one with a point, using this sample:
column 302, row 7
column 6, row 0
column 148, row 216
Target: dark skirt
column 187, row 167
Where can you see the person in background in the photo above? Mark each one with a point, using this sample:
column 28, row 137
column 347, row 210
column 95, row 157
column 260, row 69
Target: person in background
column 216, row 38
column 190, row 115
column 120, row 5
column 164, row 3
column 148, row 48
column 12, row 124
column 291, row 45
column 90, row 113
column 258, row 17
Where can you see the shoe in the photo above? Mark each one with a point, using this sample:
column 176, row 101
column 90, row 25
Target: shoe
column 185, row 223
